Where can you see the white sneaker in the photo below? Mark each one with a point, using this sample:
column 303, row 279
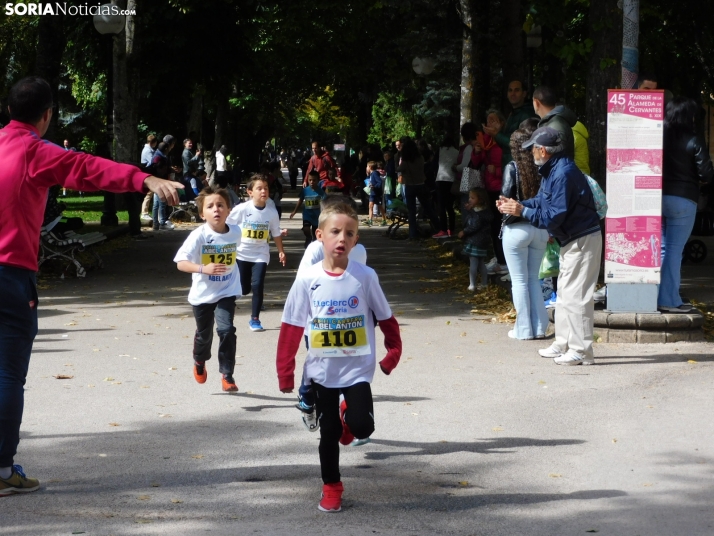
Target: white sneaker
column 168, row 226
column 146, row 217
column 471, row 288
column 552, row 351
column 569, row 358
column 311, row 422
column 491, row 265
column 600, row 295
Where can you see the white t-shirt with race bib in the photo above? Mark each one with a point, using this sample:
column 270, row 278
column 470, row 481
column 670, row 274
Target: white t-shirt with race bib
column 257, row 225
column 204, row 246
column 314, row 253
column 337, row 314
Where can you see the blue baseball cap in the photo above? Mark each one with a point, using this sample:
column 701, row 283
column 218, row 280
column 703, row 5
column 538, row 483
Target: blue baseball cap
column 545, row 137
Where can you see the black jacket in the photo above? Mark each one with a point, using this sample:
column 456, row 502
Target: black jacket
column 563, row 120
column 511, row 189
column 686, row 165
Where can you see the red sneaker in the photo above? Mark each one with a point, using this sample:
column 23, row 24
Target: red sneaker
column 199, row 372
column 331, row 500
column 440, row 234
column 347, row 436
column 228, row 383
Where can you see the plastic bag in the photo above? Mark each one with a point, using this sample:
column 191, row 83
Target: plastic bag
column 550, row 265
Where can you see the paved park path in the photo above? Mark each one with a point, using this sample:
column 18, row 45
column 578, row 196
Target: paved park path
column 476, row 434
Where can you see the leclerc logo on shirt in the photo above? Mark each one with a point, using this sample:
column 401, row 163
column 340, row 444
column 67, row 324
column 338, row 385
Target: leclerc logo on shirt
column 336, row 306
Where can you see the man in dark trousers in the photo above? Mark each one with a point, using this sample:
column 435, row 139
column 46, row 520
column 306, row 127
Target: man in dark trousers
column 30, row 167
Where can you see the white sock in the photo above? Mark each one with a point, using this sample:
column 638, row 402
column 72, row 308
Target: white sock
column 5, row 472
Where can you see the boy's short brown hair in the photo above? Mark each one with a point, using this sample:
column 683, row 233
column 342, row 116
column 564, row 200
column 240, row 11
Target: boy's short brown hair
column 258, row 177
column 372, row 164
column 209, row 190
column 335, row 209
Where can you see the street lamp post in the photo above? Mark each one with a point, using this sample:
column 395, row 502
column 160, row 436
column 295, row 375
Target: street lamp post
column 534, row 39
column 109, row 24
column 422, row 67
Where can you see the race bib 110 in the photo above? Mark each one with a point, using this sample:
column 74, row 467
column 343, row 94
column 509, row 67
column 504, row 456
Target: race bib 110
column 333, row 337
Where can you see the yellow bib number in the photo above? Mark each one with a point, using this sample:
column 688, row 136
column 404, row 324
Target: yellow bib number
column 221, row 254
column 330, row 337
column 255, row 233
column 338, row 338
column 312, row 202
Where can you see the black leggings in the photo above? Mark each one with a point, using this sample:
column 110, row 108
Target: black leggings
column 359, row 417
column 447, row 220
column 252, row 279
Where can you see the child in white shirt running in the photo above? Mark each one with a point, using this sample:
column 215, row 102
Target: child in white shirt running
column 258, row 220
column 209, row 253
column 336, row 301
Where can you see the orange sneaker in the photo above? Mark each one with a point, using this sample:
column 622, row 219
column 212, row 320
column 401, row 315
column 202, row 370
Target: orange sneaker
column 228, row 383
column 347, row 436
column 199, row 371
column 331, row 500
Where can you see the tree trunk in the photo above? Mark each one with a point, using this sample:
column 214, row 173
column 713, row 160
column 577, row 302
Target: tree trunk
column 468, row 76
column 48, row 63
column 126, row 87
column 603, row 74
column 193, row 127
column 630, row 40
column 512, row 41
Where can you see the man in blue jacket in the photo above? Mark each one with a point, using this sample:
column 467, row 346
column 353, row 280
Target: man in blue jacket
column 564, row 206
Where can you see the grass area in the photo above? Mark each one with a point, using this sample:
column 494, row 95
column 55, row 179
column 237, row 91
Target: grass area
column 88, row 207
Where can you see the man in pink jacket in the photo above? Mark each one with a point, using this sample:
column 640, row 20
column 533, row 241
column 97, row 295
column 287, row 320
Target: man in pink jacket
column 30, row 167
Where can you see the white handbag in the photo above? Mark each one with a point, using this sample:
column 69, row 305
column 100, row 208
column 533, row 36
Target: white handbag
column 470, row 178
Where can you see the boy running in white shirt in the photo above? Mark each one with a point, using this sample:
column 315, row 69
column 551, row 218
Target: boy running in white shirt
column 336, row 302
column 258, row 221
column 209, row 253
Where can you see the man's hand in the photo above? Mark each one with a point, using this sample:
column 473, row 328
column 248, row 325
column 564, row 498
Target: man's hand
column 491, row 131
column 166, row 190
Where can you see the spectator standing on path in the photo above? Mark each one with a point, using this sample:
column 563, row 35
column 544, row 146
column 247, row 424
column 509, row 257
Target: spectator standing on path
column 646, row 81
column 161, row 168
column 188, row 155
column 321, row 161
column 559, row 118
column 445, row 176
column 221, row 162
column 31, row 165
column 476, row 235
column 411, row 170
column 685, row 168
column 524, row 244
column 147, row 154
column 521, row 109
column 565, row 207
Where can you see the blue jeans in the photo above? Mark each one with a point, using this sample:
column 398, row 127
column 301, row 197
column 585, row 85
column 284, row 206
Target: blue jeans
column 158, row 212
column 18, row 328
column 523, row 247
column 677, row 223
column 252, row 279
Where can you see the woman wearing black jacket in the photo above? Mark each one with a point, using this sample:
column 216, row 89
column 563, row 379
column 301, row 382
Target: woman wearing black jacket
column 686, row 167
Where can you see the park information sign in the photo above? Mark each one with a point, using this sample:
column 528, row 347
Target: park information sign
column 633, row 228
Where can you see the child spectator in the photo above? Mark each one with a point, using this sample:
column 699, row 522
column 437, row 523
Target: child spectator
column 477, row 236
column 336, row 302
column 376, row 191
column 209, row 253
column 311, row 196
column 390, row 179
column 257, row 220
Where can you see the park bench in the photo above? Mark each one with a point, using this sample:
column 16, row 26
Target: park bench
column 399, row 216
column 66, row 249
column 186, row 211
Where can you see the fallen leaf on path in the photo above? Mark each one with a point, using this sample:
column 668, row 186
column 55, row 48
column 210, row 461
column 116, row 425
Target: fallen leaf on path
column 448, row 322
column 155, row 485
column 197, row 456
column 143, row 521
column 172, row 368
column 113, row 424
column 108, row 379
column 73, row 323
column 554, row 475
column 463, row 483
column 124, row 355
column 614, row 440
column 63, row 376
column 144, row 497
column 692, row 361
column 176, row 501
column 463, row 334
column 497, row 429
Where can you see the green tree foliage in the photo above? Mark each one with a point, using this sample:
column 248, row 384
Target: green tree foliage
column 391, row 119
